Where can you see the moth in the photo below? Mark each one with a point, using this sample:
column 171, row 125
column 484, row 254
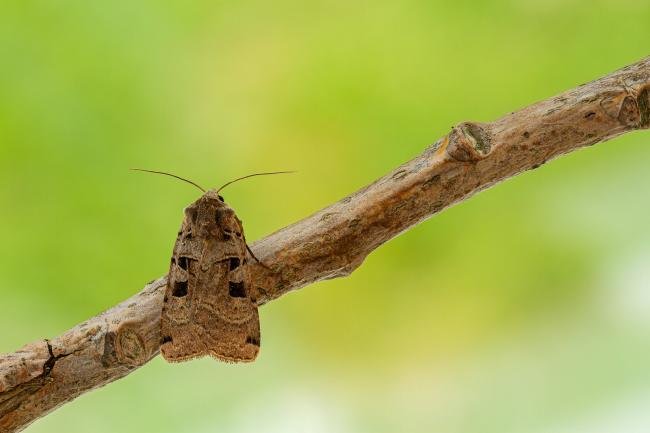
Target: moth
column 209, row 307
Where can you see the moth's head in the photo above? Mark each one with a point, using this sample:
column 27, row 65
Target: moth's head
column 213, row 194
column 208, row 205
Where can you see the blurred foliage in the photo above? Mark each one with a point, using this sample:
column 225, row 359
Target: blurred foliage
column 524, row 309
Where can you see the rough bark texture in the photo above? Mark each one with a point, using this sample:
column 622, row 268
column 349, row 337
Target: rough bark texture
column 333, row 242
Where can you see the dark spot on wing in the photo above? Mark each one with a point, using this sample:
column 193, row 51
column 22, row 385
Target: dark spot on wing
column 180, row 289
column 236, row 290
column 184, row 262
column 252, row 340
column 233, row 263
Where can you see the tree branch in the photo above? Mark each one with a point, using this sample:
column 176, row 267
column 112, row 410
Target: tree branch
column 43, row 375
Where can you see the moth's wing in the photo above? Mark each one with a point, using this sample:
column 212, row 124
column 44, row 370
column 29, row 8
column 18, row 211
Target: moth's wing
column 228, row 314
column 179, row 334
column 238, row 343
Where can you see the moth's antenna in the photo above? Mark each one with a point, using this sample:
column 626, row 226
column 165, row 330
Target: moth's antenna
column 251, row 175
column 169, row 174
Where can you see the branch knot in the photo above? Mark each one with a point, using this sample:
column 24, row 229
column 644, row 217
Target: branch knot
column 469, row 142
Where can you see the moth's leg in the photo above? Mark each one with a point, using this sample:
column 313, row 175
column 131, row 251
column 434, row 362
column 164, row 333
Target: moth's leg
column 241, row 230
column 256, row 259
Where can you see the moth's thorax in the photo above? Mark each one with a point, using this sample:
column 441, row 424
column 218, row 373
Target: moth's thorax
column 211, row 216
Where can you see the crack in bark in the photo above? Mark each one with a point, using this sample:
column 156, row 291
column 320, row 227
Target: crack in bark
column 48, row 366
column 12, row 399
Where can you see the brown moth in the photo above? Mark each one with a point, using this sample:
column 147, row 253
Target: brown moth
column 208, row 308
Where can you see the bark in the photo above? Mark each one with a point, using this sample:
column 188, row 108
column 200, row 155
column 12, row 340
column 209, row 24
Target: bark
column 331, row 243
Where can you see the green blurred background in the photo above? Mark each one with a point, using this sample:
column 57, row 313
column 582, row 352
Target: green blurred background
column 525, row 309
